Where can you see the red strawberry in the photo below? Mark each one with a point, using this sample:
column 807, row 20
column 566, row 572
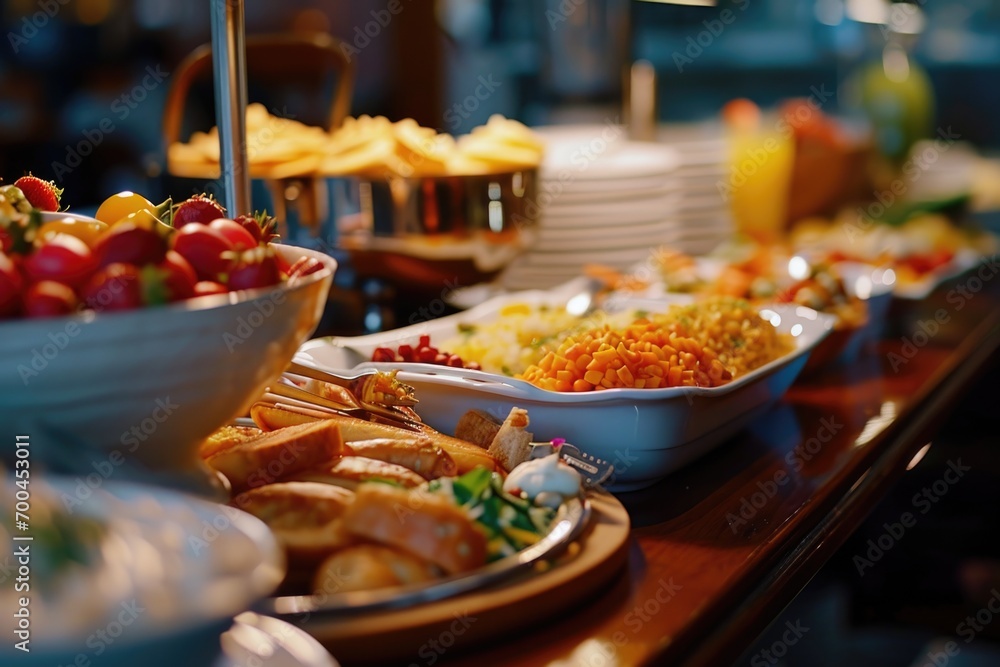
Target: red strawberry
column 207, row 287
column 262, row 226
column 43, row 195
column 199, row 208
column 49, row 299
column 255, row 268
column 305, row 266
column 115, row 287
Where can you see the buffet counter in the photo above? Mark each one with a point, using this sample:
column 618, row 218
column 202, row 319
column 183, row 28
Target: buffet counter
column 719, row 548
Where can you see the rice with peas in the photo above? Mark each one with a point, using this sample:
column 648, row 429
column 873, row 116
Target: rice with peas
column 705, row 344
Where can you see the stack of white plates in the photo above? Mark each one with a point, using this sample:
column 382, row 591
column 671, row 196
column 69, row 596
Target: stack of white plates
column 703, row 215
column 606, row 200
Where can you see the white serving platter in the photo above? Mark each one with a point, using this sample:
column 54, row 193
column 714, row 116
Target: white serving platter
column 646, row 433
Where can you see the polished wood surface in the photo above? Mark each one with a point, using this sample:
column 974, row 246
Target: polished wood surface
column 720, row 547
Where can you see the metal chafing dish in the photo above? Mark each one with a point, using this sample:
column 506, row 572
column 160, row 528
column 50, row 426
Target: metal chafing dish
column 434, row 231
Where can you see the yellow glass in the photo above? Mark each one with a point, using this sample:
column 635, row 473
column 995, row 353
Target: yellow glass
column 759, row 177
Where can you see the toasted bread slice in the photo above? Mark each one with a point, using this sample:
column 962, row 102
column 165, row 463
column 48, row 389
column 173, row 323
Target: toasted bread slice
column 425, row 525
column 351, row 471
column 512, row 444
column 276, row 454
column 367, row 566
column 478, row 427
column 226, row 437
column 304, row 516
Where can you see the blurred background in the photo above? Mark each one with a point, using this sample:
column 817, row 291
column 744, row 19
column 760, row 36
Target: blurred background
column 71, row 65
column 83, row 85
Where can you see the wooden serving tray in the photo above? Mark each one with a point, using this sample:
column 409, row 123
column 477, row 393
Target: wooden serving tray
column 473, row 619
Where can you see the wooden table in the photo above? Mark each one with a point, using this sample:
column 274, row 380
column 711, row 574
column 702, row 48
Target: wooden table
column 720, row 547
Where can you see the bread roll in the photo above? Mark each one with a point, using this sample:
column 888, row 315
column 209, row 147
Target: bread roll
column 425, row 525
column 478, row 427
column 512, row 444
column 304, row 516
column 351, row 471
column 367, row 566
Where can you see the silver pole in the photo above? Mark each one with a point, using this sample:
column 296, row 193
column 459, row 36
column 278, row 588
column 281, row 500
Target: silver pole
column 230, row 67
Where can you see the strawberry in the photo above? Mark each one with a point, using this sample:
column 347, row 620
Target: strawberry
column 43, row 195
column 262, row 226
column 255, row 268
column 199, row 208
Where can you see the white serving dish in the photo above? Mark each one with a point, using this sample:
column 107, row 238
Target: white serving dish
column 645, row 433
column 963, row 261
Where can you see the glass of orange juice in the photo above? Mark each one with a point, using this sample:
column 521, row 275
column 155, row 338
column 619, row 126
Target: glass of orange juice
column 759, row 171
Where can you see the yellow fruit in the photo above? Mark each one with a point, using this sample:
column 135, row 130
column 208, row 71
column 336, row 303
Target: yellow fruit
column 120, row 205
column 145, row 219
column 86, row 230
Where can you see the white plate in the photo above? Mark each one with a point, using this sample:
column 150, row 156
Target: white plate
column 646, row 433
column 921, row 289
column 629, row 160
column 621, row 212
column 621, row 258
column 577, row 194
column 179, row 566
column 617, row 232
column 264, row 641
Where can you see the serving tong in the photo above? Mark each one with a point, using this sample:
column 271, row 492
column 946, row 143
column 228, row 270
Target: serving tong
column 379, row 395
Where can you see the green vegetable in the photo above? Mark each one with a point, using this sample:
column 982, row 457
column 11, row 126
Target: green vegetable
column 510, row 523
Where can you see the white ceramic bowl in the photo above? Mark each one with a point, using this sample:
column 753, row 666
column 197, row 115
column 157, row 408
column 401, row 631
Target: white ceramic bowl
column 150, row 384
column 172, row 572
column 645, row 433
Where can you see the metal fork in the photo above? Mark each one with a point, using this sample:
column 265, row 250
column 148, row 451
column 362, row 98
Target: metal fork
column 285, row 394
column 377, row 393
column 370, row 387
